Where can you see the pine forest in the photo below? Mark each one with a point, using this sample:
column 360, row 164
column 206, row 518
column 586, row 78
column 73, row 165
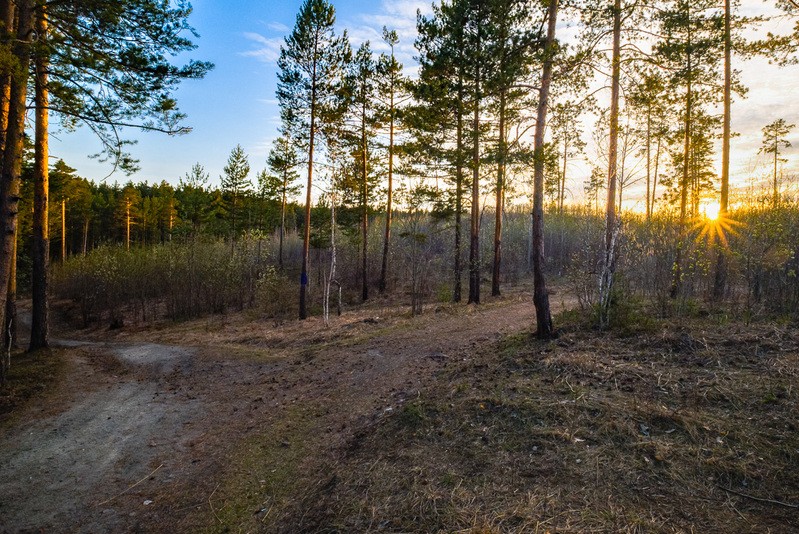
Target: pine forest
column 475, row 266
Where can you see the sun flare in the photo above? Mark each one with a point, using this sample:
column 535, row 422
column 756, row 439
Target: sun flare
column 712, row 211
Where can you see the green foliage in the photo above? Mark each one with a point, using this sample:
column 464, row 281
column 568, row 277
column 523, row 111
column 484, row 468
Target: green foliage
column 112, row 65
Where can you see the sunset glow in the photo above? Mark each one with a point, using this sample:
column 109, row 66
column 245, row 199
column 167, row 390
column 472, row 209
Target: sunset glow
column 712, row 211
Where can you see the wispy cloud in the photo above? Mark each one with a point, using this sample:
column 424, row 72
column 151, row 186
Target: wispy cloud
column 267, row 49
column 278, row 27
column 398, row 15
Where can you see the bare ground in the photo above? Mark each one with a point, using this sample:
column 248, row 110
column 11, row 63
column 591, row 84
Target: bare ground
column 226, row 423
column 455, row 421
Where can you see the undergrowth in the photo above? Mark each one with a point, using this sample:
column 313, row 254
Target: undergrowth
column 682, row 427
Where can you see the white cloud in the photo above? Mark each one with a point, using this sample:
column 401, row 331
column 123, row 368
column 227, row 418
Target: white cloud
column 278, row 27
column 398, row 15
column 267, row 49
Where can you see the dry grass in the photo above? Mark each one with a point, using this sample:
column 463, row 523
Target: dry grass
column 31, row 375
column 687, row 428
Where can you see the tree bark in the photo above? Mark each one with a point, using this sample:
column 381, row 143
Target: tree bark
column 648, row 161
column 655, row 177
column 364, row 210
column 611, row 225
column 7, row 29
column 40, row 306
column 10, row 330
column 456, row 290
column 500, row 200
column 85, row 236
column 390, row 192
column 562, row 181
column 306, row 242
column 127, row 224
column 64, row 230
column 474, row 241
column 12, row 160
column 676, row 282
column 282, row 218
column 720, row 281
column 540, row 294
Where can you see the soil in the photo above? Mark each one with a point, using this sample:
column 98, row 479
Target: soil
column 224, row 421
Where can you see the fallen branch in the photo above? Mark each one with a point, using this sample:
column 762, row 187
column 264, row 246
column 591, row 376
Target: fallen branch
column 211, row 505
column 759, row 499
column 130, row 487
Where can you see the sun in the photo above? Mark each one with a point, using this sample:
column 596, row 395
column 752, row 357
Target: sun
column 712, row 211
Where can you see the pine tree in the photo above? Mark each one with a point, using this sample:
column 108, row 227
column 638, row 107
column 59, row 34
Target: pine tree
column 773, row 140
column 193, row 198
column 362, row 115
column 510, row 41
column 235, row 183
column 543, row 313
column 692, row 31
column 18, row 52
column 390, row 83
column 311, row 66
column 283, row 162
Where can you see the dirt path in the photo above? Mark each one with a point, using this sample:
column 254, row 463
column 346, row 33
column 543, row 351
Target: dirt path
column 141, row 435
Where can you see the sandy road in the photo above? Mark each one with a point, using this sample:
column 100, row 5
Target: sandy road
column 138, row 424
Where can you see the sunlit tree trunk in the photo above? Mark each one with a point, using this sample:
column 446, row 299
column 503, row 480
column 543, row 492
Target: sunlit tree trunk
column 9, row 327
column 41, row 239
column 306, row 242
column 12, row 160
column 127, row 224
column 611, row 224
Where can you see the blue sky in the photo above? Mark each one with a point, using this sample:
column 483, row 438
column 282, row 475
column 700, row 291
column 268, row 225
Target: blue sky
column 235, row 103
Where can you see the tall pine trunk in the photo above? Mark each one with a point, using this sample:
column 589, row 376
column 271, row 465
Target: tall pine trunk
column 562, row 181
column 282, row 219
column 543, row 313
column 7, row 28
column 456, row 290
column 127, row 224
column 648, row 161
column 12, row 161
column 364, row 209
column 500, row 198
column 720, row 281
column 474, row 235
column 306, row 241
column 85, row 243
column 676, row 282
column 40, row 320
column 389, row 194
column 64, row 230
column 611, row 224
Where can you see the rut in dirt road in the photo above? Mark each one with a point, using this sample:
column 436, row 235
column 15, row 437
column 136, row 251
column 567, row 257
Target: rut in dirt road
column 58, row 470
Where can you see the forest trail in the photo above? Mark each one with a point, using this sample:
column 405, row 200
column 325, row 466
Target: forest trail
column 141, row 435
